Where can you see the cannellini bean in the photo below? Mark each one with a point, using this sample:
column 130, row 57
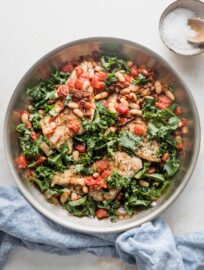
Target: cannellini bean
column 110, row 129
column 170, row 95
column 41, row 112
column 101, row 96
column 75, row 155
column 145, row 92
column 158, row 87
column 111, row 108
column 124, row 102
column 143, row 183
column 140, row 100
column 125, row 91
column 30, row 108
column 136, row 112
column 134, row 106
column 97, row 68
column 48, row 195
column 64, row 197
column 54, row 200
column 133, row 88
column 180, row 124
column 73, row 105
column 78, row 113
column 74, row 196
column 184, row 130
column 24, row 118
column 95, row 175
column 120, row 76
column 46, row 149
column 85, row 85
column 85, row 189
column 149, row 97
column 129, row 64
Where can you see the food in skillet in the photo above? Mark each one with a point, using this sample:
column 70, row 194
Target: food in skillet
column 101, row 137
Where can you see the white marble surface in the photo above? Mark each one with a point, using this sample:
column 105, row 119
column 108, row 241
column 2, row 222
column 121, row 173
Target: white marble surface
column 29, row 29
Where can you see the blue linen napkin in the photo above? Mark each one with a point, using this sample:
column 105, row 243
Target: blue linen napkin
column 150, row 247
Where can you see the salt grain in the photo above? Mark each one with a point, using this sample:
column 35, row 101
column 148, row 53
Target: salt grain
column 176, row 31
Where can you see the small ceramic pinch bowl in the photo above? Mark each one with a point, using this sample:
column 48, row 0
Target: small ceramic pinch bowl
column 197, row 7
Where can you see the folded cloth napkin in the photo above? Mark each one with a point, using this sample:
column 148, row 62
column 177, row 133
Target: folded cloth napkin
column 150, row 247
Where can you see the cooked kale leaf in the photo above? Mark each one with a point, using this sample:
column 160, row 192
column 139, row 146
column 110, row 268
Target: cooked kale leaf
column 112, row 64
column 129, row 141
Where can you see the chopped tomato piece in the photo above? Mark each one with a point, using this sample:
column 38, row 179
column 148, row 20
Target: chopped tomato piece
column 161, row 106
column 89, row 181
column 127, row 78
column 95, row 81
column 40, row 160
column 71, row 82
column 21, row 161
column 122, row 109
column 63, row 90
column 144, row 72
column 81, row 148
column 102, row 76
column 180, row 145
column 79, row 84
column 100, row 183
column 85, row 75
column 101, row 165
column 79, row 71
column 165, row 156
column 178, row 110
column 138, row 129
column 151, row 170
column 105, row 174
column 101, row 213
column 29, row 125
column 134, row 71
column 88, row 105
column 184, row 121
column 34, row 135
column 74, row 128
column 68, row 68
column 100, row 86
column 165, row 100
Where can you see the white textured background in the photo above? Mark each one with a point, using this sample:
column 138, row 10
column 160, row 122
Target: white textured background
column 29, row 29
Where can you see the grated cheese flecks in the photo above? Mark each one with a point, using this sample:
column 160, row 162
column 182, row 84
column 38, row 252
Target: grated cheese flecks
column 176, row 31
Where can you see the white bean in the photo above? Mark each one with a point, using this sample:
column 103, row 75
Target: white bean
column 180, row 124
column 74, row 196
column 24, row 118
column 75, row 155
column 78, row 113
column 134, row 88
column 129, row 64
column 95, row 175
column 143, row 183
column 111, row 107
column 170, row 95
column 85, row 85
column 64, row 197
column 145, row 92
column 120, row 76
column 46, row 149
column 85, row 189
column 136, row 112
column 73, row 105
column 125, row 91
column 97, row 68
column 101, row 96
column 158, row 87
column 134, row 106
column 184, row 130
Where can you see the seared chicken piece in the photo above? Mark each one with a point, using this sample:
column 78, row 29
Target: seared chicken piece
column 125, row 164
column 148, row 150
column 101, row 195
column 59, row 129
column 130, row 126
column 68, row 177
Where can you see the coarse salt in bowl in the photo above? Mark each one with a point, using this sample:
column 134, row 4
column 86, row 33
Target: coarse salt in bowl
column 174, row 28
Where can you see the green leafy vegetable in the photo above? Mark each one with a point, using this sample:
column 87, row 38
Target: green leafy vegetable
column 129, row 141
column 82, row 207
column 117, row 180
column 112, row 64
column 141, row 80
column 172, row 165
